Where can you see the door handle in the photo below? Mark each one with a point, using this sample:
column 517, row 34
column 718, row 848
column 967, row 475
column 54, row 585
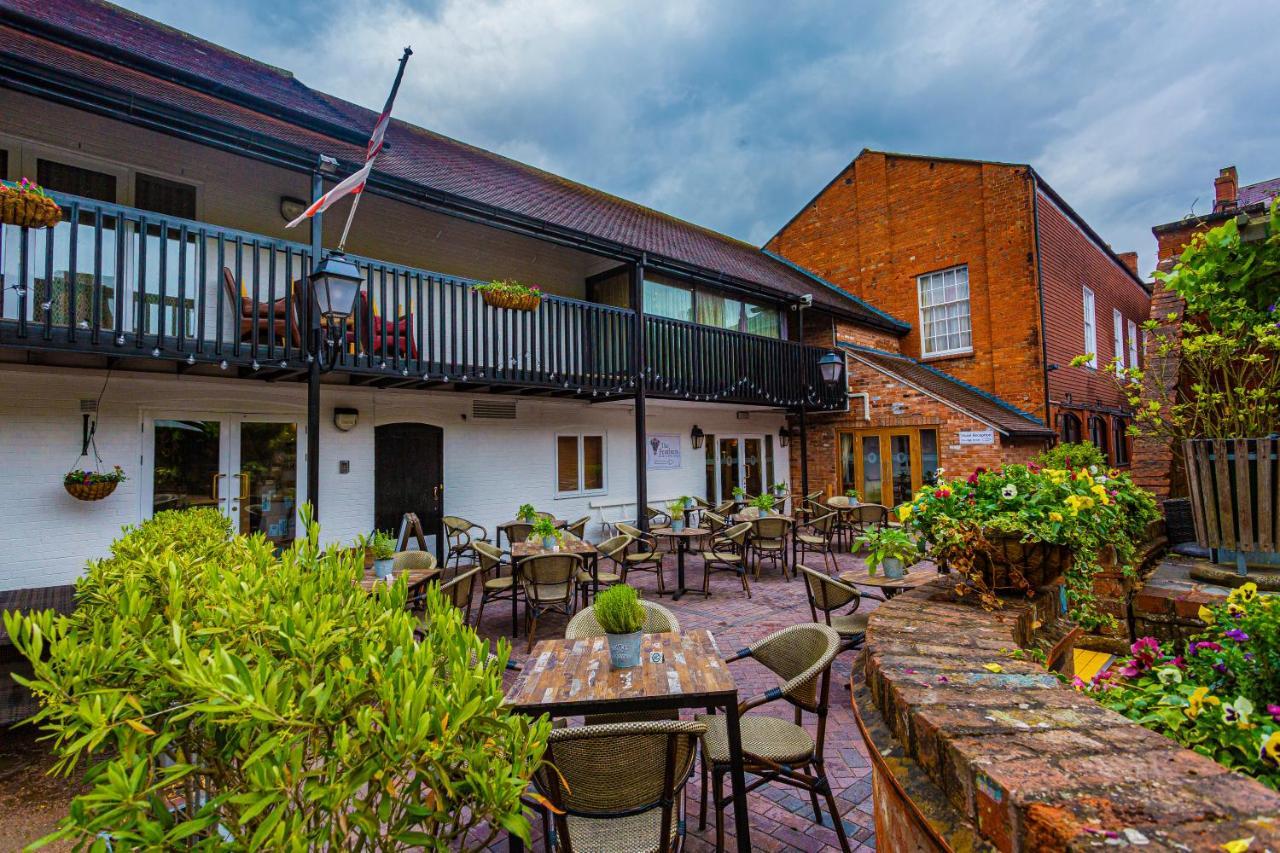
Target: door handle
column 214, row 487
column 436, row 490
column 244, row 485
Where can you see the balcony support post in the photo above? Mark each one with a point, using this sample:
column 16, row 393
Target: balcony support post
column 638, row 364
column 314, row 350
column 804, row 431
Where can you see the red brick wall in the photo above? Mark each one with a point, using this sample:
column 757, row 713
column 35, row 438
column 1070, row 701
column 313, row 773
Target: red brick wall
column 823, row 330
column 887, row 219
column 921, row 411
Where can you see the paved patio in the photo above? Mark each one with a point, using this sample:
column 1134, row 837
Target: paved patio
column 781, row 817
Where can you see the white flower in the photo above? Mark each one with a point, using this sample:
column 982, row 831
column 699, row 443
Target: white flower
column 1169, row 675
column 1238, row 711
column 1009, row 491
column 1101, row 478
column 1093, row 469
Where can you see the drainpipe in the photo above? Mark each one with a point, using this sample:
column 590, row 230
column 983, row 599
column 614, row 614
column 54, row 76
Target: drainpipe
column 1044, row 336
column 638, row 359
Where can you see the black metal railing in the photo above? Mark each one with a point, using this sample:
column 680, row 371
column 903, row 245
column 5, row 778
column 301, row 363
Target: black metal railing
column 117, row 280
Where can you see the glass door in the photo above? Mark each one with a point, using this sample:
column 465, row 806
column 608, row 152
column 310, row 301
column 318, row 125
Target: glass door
column 729, row 456
column 753, row 465
column 901, row 469
column 740, row 462
column 887, row 466
column 244, row 465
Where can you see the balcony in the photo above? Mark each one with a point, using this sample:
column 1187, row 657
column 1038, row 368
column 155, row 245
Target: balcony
column 125, row 283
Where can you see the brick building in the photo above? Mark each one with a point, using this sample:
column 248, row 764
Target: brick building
column 1003, row 284
column 1155, row 466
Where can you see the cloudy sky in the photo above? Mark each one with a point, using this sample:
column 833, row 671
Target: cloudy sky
column 733, row 114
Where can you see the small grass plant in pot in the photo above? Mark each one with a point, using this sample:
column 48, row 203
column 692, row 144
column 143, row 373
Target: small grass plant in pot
column 621, row 617
column 764, row 503
column 545, row 530
column 891, row 547
column 383, row 548
column 676, row 510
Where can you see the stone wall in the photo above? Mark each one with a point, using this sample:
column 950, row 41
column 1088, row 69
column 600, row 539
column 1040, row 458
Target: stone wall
column 974, row 742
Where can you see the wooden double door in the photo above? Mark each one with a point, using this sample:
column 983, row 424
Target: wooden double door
column 887, row 465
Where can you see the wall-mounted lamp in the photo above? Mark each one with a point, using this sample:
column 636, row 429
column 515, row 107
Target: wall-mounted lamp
column 831, row 366
column 345, row 419
column 291, row 208
column 784, row 436
column 697, row 437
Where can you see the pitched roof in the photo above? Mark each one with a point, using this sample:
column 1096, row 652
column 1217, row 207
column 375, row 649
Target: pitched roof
column 101, row 44
column 960, row 395
column 1260, row 193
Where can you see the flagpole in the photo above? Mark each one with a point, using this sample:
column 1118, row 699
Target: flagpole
column 395, row 87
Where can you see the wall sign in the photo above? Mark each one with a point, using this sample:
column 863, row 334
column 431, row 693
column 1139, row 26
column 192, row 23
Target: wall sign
column 977, row 436
column 663, row 452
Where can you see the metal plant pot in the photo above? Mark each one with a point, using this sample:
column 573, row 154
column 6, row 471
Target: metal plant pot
column 1235, row 492
column 624, row 650
column 893, row 567
column 384, row 568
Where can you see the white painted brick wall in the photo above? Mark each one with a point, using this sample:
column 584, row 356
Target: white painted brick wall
column 491, row 467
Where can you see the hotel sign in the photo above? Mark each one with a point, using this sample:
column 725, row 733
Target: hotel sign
column 977, row 436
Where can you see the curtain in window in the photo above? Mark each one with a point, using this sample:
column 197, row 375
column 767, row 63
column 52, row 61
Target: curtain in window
column 719, row 311
column 664, row 300
column 764, row 321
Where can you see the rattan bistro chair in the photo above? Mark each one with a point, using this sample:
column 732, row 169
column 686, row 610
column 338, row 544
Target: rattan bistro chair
column 864, row 517
column 826, row 595
column 494, row 585
column 608, row 804
column 547, row 581
column 613, row 549
column 774, row 749
column 460, row 590
column 769, row 542
column 646, row 557
column 460, row 534
column 406, row 561
column 579, row 527
column 517, row 532
column 725, row 507
column 727, row 554
column 657, row 518
column 817, row 537
column 657, row 620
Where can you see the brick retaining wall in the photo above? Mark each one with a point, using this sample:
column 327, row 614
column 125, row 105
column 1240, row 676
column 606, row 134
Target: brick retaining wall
column 1029, row 763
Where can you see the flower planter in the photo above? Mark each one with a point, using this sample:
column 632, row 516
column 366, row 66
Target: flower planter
column 514, row 301
column 1008, row 559
column 893, row 567
column 383, row 568
column 28, row 210
column 624, row 650
column 1235, row 492
column 549, row 543
column 90, row 491
column 677, row 524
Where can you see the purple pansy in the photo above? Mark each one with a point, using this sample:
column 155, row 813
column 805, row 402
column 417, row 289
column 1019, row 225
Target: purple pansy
column 1237, row 635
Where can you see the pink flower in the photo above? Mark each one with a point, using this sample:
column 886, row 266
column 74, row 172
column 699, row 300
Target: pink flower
column 973, row 478
column 942, row 493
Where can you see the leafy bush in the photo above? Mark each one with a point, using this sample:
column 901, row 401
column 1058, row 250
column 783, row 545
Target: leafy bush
column 619, row 611
column 1084, row 509
column 286, row 707
column 383, row 545
column 1222, row 698
column 1073, row 455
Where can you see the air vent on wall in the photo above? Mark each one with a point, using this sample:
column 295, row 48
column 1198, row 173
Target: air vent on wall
column 500, row 410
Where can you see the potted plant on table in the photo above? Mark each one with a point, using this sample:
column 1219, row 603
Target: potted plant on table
column 780, row 489
column 764, row 503
column 544, row 529
column 526, row 513
column 852, row 495
column 891, row 547
column 739, row 493
column 621, row 617
column 92, row 485
column 676, row 509
column 509, row 293
column 382, row 548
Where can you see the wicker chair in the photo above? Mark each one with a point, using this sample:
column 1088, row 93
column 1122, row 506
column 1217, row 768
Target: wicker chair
column 461, row 590
column 826, row 595
column 727, row 554
column 613, row 549
column 774, row 749
column 864, row 517
column 817, row 537
column 725, row 507
column 460, row 535
column 405, row 561
column 657, row 518
column 578, row 528
column 547, row 581
column 495, row 586
column 715, row 522
column 517, row 532
column 769, row 542
column 646, row 557
column 606, row 804
column 657, row 620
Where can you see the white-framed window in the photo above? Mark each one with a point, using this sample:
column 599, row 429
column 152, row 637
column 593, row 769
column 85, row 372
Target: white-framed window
column 1090, row 329
column 944, row 312
column 1133, row 344
column 579, row 464
column 1117, row 336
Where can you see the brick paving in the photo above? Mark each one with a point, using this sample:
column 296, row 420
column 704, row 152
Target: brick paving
column 781, row 816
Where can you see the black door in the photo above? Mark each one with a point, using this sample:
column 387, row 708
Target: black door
column 408, row 475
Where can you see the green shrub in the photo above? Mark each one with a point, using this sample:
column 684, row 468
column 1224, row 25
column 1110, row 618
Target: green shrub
column 619, row 611
column 526, row 513
column 886, row 542
column 290, row 708
column 763, row 502
column 1073, row 455
column 544, row 528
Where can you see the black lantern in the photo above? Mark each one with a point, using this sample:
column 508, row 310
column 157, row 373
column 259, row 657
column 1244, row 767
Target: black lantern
column 830, row 366
column 697, row 437
column 334, row 286
column 784, row 436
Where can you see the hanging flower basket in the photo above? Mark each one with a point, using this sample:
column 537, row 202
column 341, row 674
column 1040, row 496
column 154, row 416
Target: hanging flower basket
column 510, row 294
column 1008, row 563
column 24, row 204
column 92, row 485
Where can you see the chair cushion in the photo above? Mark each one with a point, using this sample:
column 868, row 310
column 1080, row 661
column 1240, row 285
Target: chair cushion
column 643, row 558
column 549, row 593
column 762, row 735
column 639, row 833
column 605, row 577
column 850, row 623
column 810, row 539
column 769, row 544
column 721, row 557
column 497, row 584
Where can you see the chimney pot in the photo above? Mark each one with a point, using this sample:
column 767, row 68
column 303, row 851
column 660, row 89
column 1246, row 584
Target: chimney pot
column 1130, row 260
column 1226, row 189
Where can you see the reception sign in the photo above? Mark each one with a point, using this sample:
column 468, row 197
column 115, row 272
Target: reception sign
column 663, row 452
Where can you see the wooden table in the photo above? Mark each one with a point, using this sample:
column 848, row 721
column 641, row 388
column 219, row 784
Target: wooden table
column 502, row 528
column 418, row 580
column 682, row 538
column 891, row 586
column 569, row 678
column 579, row 547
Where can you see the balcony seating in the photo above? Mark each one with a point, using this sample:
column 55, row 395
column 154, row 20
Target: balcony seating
column 369, row 332
column 285, row 315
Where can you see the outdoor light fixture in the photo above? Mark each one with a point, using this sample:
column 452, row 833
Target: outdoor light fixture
column 697, row 437
column 291, row 208
column 334, row 285
column 830, row 366
column 345, row 419
column 784, row 436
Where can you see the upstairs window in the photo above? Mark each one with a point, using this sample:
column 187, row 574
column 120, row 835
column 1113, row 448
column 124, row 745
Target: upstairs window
column 1117, row 333
column 161, row 195
column 1090, row 329
column 944, row 312
column 75, row 180
column 1133, row 344
column 665, row 300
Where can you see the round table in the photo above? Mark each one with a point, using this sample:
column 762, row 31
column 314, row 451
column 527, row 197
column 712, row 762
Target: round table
column 682, row 538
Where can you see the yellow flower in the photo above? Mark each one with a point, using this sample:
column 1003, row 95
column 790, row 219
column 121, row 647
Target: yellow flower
column 1205, row 614
column 993, row 667
column 1197, row 701
column 1078, row 502
column 1099, row 489
column 904, row 512
column 1270, row 750
column 1239, row 845
column 1055, row 516
column 1234, row 609
column 1245, row 593
column 1056, row 475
